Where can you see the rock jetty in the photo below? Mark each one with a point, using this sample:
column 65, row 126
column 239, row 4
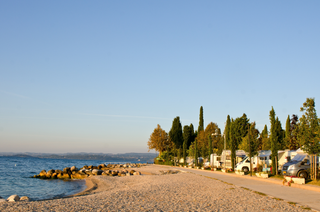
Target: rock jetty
column 86, row 171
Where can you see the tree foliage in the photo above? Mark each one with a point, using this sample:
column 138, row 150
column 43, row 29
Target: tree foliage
column 159, row 140
column 227, row 132
column 175, row 133
column 291, row 133
column 276, row 138
column 309, row 130
column 238, row 130
column 201, row 121
column 251, row 143
column 264, row 139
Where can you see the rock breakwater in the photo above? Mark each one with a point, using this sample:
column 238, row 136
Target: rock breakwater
column 86, row 171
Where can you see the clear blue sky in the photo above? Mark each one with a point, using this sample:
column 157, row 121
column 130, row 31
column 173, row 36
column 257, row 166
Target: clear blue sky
column 80, row 76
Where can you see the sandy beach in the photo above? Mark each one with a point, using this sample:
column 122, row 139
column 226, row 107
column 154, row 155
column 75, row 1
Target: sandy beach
column 155, row 190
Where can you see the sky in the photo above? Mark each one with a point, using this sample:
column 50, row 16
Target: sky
column 81, row 76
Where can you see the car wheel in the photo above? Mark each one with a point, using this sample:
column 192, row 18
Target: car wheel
column 303, row 174
column 245, row 169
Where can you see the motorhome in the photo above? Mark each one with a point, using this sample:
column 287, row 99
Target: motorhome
column 224, row 160
column 262, row 159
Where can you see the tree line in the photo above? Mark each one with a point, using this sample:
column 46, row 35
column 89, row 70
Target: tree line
column 240, row 133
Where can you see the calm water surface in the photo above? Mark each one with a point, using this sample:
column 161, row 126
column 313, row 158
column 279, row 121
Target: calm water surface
column 15, row 173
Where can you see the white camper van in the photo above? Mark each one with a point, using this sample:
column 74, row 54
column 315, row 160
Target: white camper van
column 262, row 159
column 224, row 160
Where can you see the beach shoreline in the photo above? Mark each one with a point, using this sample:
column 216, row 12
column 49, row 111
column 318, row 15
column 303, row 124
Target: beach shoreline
column 160, row 188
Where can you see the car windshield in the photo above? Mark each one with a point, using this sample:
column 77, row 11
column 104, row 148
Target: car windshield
column 298, row 157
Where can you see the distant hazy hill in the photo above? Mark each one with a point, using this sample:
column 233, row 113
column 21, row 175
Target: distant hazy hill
column 125, row 157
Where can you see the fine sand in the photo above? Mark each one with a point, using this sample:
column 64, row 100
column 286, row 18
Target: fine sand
column 157, row 191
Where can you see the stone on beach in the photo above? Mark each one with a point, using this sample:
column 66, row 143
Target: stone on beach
column 24, row 198
column 13, row 198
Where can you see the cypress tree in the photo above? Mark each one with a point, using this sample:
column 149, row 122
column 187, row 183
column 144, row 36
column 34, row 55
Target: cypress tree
column 265, row 141
column 273, row 140
column 227, row 132
column 192, row 137
column 175, row 133
column 196, row 152
column 233, row 142
column 210, row 146
column 288, row 134
column 201, row 127
column 187, row 136
column 184, row 152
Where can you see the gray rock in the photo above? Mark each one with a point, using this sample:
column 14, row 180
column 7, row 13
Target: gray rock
column 13, row 198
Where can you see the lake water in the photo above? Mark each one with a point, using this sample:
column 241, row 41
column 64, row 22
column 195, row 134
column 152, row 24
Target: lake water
column 15, row 173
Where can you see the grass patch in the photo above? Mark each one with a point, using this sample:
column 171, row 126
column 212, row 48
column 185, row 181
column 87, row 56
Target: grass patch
column 306, row 208
column 260, row 193
column 278, row 199
column 292, row 203
column 231, row 188
column 227, row 183
column 313, row 182
column 246, row 189
column 278, row 177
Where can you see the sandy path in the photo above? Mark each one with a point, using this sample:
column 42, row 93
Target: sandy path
column 157, row 192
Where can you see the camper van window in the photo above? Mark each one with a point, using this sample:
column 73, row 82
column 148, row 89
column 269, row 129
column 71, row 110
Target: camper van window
column 298, row 157
column 218, row 158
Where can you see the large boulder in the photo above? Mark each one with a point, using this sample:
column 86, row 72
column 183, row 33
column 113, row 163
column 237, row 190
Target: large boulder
column 51, row 171
column 90, row 167
column 43, row 174
column 73, row 168
column 66, row 170
column 78, row 176
column 54, row 176
column 96, row 172
column 58, row 171
column 63, row 176
column 13, row 198
column 24, row 198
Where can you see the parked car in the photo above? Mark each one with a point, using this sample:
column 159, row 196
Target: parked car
column 299, row 166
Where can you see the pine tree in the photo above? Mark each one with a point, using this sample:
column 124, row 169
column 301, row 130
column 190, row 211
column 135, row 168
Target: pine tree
column 201, row 122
